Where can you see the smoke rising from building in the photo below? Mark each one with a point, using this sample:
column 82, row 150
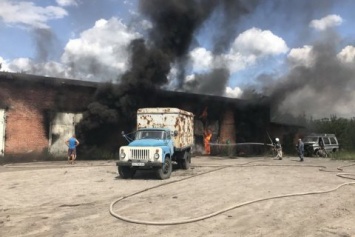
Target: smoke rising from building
column 320, row 86
column 176, row 28
column 174, row 25
column 45, row 42
column 213, row 83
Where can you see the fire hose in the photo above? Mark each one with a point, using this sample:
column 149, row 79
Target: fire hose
column 177, row 222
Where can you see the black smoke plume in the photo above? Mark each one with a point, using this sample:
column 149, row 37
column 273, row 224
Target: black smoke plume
column 45, row 43
column 213, row 83
column 174, row 25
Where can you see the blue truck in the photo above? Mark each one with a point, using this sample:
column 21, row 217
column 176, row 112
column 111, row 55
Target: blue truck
column 164, row 136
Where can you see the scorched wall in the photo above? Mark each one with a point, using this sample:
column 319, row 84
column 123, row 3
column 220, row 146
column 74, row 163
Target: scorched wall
column 29, row 102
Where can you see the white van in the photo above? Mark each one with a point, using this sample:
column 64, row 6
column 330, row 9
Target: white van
column 320, row 145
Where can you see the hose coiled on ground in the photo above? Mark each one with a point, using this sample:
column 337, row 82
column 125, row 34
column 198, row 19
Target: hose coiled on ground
column 178, row 222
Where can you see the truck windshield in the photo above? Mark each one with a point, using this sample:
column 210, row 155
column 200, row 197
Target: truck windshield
column 311, row 139
column 152, row 134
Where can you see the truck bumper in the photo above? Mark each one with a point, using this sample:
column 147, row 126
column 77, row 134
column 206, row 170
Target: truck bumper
column 139, row 165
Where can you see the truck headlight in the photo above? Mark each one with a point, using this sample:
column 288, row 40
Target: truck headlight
column 122, row 154
column 156, row 155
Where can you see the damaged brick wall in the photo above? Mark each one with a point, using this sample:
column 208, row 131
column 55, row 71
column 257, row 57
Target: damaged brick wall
column 29, row 104
column 25, row 131
column 31, row 101
column 228, row 129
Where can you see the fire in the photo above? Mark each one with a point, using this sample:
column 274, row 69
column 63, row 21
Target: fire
column 207, row 138
column 207, row 134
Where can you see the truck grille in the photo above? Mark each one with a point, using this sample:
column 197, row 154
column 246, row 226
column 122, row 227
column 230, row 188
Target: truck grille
column 139, row 154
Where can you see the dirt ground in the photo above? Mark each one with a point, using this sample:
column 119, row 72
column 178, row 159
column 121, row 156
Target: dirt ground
column 57, row 199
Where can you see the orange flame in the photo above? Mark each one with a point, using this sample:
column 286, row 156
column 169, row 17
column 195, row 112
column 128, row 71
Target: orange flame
column 207, row 138
column 207, row 134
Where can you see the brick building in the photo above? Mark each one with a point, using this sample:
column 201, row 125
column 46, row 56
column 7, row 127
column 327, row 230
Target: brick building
column 38, row 113
column 29, row 106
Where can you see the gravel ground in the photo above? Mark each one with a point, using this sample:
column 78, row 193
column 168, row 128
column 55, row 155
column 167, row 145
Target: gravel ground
column 57, row 199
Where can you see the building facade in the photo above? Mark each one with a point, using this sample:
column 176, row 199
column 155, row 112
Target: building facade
column 37, row 114
column 34, row 109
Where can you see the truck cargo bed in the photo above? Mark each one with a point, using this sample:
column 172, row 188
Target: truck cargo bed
column 171, row 118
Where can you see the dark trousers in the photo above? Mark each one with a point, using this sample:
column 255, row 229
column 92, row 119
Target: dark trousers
column 301, row 154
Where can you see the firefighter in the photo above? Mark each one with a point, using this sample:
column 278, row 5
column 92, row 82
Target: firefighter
column 278, row 149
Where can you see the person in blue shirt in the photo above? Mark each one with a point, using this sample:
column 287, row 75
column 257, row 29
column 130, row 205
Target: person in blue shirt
column 72, row 143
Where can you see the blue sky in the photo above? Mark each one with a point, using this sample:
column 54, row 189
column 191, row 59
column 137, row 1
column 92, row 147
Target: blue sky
column 64, row 28
column 48, row 37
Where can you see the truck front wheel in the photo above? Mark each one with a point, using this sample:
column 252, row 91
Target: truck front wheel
column 165, row 171
column 126, row 172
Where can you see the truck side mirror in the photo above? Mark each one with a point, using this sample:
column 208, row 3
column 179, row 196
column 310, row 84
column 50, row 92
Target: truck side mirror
column 176, row 133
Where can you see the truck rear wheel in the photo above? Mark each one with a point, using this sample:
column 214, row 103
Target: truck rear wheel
column 165, row 171
column 126, row 172
column 185, row 161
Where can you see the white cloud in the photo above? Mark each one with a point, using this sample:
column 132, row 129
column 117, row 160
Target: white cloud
column 252, row 45
column 301, row 56
column 28, row 14
column 258, row 42
column 326, row 22
column 4, row 65
column 233, row 93
column 246, row 49
column 100, row 51
column 236, row 61
column 26, row 65
column 347, row 54
column 21, row 65
column 201, row 59
column 65, row 3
